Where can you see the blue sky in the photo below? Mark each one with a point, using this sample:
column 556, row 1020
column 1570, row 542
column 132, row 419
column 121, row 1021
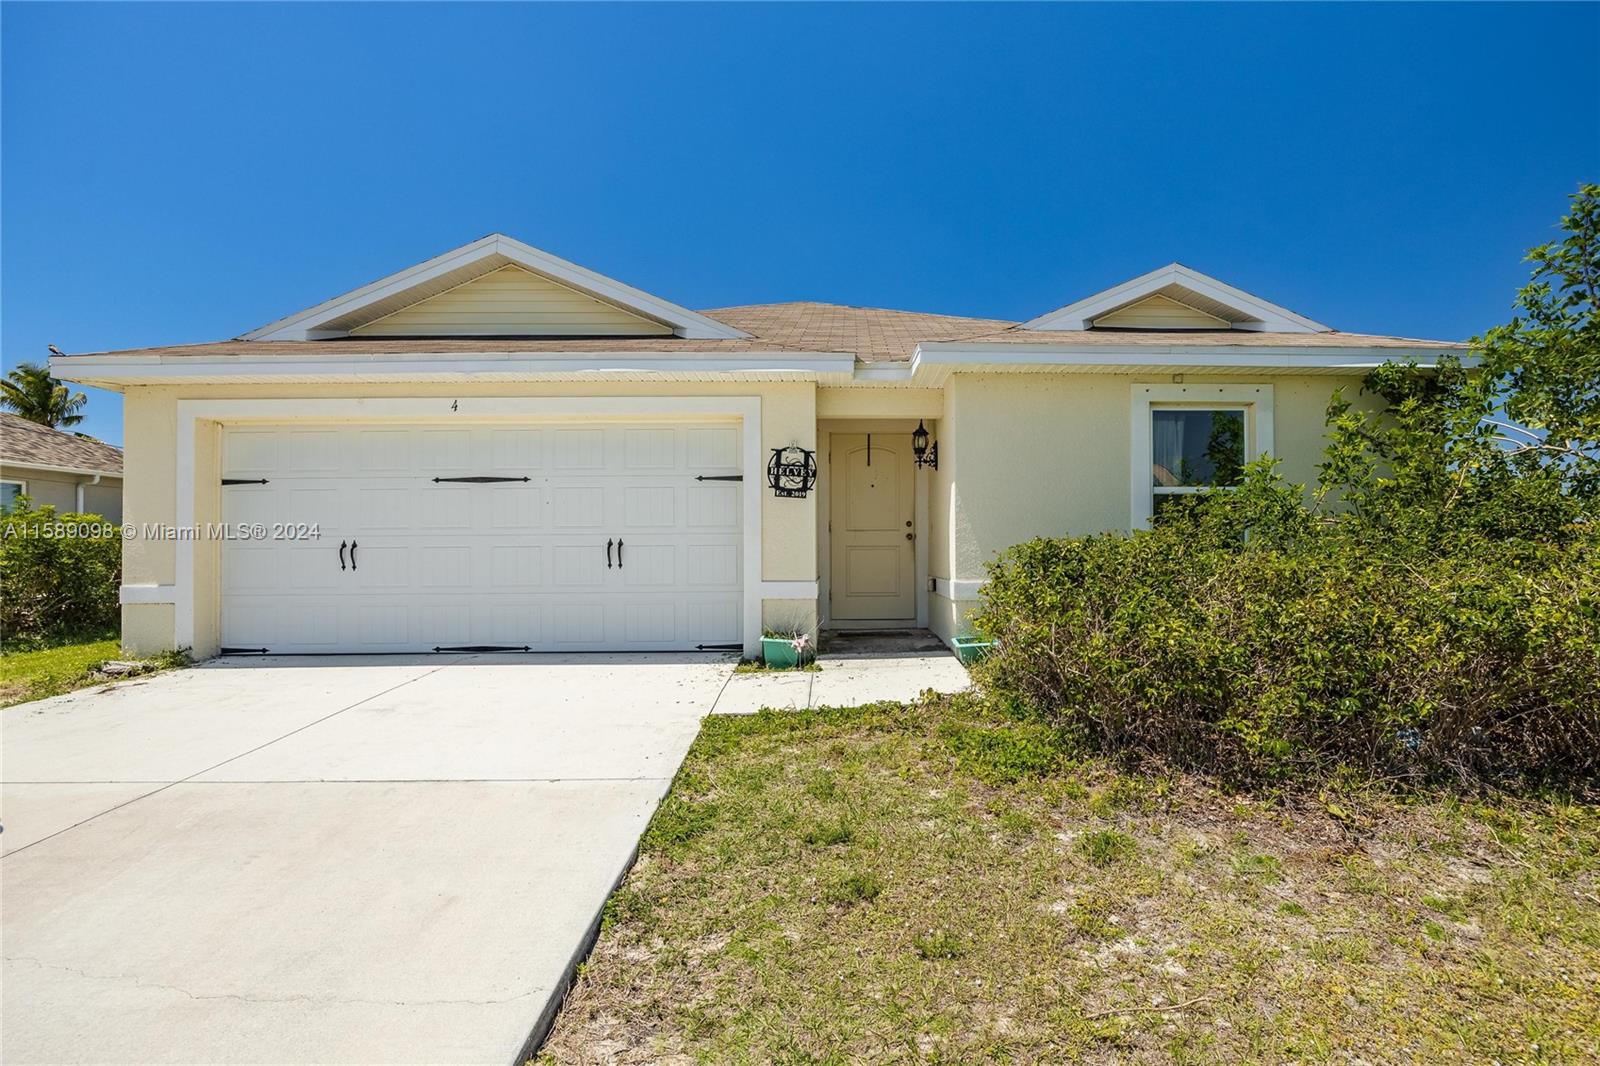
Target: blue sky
column 180, row 173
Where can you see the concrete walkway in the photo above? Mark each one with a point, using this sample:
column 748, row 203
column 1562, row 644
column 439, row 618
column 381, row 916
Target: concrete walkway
column 853, row 670
column 376, row 860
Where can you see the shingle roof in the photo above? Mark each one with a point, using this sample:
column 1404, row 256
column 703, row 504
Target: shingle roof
column 872, row 334
column 22, row 441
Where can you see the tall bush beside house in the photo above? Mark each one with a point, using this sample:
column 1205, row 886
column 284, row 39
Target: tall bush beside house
column 1430, row 609
column 59, row 575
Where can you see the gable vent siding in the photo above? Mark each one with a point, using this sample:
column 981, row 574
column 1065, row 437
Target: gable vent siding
column 1159, row 312
column 511, row 302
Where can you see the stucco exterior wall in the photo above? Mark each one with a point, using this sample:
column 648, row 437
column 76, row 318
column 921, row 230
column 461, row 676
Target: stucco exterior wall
column 788, row 526
column 60, row 490
column 1028, row 455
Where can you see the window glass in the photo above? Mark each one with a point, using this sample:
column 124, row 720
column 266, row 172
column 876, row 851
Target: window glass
column 9, row 491
column 1191, row 447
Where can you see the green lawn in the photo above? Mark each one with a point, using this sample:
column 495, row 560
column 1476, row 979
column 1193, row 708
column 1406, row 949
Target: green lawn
column 39, row 672
column 929, row 884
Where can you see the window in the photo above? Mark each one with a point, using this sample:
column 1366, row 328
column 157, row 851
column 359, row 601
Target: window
column 1193, row 449
column 9, row 491
column 1188, row 438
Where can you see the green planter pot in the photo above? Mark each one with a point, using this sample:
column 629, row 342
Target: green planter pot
column 781, row 654
column 970, row 649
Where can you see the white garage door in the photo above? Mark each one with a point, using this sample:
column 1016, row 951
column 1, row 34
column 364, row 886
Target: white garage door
column 551, row 537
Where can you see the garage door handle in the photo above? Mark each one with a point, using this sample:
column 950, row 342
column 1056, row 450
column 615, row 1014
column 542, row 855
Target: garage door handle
column 609, row 542
column 619, row 553
column 352, row 555
column 341, row 554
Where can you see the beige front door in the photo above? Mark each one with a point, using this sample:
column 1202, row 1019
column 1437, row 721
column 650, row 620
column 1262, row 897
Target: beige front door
column 871, row 512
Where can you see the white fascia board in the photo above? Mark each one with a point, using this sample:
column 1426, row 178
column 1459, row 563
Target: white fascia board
column 148, row 369
column 1269, row 317
column 939, row 358
column 684, row 322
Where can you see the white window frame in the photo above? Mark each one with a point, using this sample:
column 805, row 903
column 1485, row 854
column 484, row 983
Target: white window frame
column 1254, row 400
column 22, row 486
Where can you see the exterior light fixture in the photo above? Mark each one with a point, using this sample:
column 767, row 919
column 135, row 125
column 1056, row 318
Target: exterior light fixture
column 926, row 454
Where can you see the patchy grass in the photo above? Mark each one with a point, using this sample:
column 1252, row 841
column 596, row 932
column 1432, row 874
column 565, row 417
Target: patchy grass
column 874, row 885
column 32, row 673
column 759, row 666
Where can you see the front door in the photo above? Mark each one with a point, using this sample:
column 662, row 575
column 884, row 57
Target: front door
column 873, row 547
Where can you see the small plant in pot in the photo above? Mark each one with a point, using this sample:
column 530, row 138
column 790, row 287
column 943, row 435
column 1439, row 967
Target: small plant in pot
column 786, row 651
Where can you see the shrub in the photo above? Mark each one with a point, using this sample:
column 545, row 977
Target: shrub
column 59, row 574
column 1306, row 647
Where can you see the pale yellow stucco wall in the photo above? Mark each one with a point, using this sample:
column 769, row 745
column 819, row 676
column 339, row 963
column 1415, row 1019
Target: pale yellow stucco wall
column 1028, row 455
column 60, row 490
column 789, row 528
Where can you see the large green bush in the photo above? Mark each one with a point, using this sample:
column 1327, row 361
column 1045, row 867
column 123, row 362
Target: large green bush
column 59, row 574
column 1293, row 658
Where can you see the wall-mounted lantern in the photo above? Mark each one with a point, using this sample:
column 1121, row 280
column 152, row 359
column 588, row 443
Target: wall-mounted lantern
column 792, row 471
column 926, row 454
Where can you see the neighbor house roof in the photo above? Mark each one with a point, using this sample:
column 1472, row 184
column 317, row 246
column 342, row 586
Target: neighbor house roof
column 25, row 443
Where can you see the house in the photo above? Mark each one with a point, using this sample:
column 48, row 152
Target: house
column 68, row 471
column 498, row 448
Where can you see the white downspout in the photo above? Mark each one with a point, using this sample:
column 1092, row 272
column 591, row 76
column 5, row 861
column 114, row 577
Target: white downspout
column 80, row 487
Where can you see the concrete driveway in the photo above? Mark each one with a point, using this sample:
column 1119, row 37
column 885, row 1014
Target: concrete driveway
column 375, row 860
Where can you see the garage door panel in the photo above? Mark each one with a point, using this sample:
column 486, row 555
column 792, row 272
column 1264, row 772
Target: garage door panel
column 251, row 452
column 514, row 563
column 313, row 451
column 650, row 565
column 712, row 505
column 516, row 451
column 575, row 624
column 444, row 450
column 384, row 451
column 574, row 450
column 654, row 448
column 516, row 566
column 516, row 507
column 251, row 566
column 646, row 506
column 712, row 447
column 712, row 621
column 578, row 566
column 578, row 507
column 711, row 565
column 382, row 626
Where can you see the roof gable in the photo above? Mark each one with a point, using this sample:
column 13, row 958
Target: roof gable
column 1234, row 308
column 512, row 302
column 359, row 309
column 1160, row 312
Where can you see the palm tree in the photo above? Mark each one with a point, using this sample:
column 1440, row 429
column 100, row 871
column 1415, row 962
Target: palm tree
column 31, row 392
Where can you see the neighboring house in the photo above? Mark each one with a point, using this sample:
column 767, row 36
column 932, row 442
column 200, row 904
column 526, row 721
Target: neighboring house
column 499, row 448
column 68, row 471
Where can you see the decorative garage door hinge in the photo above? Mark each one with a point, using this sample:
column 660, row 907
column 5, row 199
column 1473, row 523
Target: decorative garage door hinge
column 242, row 651
column 719, row 477
column 719, row 647
column 488, row 647
column 481, row 479
column 244, row 481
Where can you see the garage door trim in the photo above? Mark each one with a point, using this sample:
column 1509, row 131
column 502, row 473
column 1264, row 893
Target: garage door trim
column 447, row 410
